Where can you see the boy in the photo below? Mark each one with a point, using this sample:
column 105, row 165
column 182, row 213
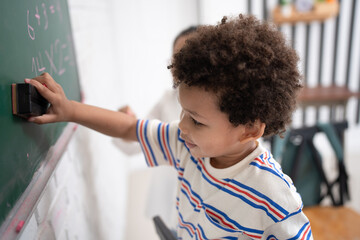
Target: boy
column 237, row 81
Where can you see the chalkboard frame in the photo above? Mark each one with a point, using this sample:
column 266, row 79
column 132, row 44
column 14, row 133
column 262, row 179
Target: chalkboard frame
column 20, row 214
column 36, row 38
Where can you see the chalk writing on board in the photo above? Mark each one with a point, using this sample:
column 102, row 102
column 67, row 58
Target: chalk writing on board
column 38, row 18
column 30, row 29
column 56, row 56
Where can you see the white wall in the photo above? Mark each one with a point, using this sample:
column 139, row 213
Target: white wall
column 123, row 49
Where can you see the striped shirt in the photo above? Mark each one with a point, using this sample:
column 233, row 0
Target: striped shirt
column 252, row 199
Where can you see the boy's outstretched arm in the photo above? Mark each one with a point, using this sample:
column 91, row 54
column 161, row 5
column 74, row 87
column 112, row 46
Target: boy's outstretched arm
column 112, row 123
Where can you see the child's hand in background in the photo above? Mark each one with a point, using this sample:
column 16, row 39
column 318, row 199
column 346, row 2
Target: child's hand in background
column 60, row 109
column 128, row 110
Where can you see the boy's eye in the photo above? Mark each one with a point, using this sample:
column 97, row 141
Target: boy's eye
column 196, row 123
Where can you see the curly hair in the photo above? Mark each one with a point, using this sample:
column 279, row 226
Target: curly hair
column 248, row 65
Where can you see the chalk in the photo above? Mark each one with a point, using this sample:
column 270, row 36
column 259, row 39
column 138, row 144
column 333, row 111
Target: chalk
column 27, row 101
column 19, row 226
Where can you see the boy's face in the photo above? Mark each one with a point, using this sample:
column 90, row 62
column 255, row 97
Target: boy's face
column 206, row 130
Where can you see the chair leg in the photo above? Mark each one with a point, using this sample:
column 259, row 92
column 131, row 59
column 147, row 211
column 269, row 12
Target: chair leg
column 162, row 230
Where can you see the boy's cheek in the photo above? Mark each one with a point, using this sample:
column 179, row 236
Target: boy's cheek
column 195, row 152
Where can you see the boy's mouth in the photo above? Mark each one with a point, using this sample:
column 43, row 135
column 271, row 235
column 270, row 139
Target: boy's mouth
column 187, row 142
column 190, row 145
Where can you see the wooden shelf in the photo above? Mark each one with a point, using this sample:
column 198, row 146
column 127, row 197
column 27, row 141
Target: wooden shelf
column 326, row 95
column 321, row 11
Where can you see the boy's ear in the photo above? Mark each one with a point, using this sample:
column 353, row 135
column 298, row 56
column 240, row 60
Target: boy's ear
column 252, row 131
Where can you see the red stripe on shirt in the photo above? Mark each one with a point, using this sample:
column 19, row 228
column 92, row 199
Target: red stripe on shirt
column 306, row 232
column 185, row 225
column 257, row 200
column 220, row 218
column 165, row 145
column 191, row 196
column 241, row 191
column 148, row 157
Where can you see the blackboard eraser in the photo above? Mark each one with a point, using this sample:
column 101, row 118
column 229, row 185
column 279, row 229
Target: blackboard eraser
column 27, row 101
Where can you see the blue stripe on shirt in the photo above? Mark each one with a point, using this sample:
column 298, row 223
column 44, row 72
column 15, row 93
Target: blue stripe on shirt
column 159, row 140
column 148, row 144
column 270, row 170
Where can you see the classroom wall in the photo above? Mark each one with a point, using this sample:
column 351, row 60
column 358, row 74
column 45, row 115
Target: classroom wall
column 117, row 52
column 123, row 48
column 77, row 203
column 120, row 45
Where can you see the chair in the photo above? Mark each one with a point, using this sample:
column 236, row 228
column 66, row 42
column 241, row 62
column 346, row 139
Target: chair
column 162, row 230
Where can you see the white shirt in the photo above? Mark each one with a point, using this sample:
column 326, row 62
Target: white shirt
column 251, row 199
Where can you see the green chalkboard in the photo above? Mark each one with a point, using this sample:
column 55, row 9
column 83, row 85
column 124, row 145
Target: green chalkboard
column 35, row 37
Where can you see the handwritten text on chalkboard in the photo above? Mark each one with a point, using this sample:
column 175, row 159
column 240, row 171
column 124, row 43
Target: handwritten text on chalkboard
column 57, row 56
column 41, row 18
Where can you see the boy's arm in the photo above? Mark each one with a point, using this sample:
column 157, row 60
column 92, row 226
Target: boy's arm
column 112, row 123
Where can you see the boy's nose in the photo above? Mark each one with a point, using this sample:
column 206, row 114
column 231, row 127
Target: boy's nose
column 182, row 123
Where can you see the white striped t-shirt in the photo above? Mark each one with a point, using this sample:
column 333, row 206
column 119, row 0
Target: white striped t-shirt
column 252, row 199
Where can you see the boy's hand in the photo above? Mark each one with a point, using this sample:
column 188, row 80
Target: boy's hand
column 60, row 109
column 112, row 123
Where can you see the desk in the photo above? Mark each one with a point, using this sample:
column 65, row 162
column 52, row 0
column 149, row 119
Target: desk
column 333, row 223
